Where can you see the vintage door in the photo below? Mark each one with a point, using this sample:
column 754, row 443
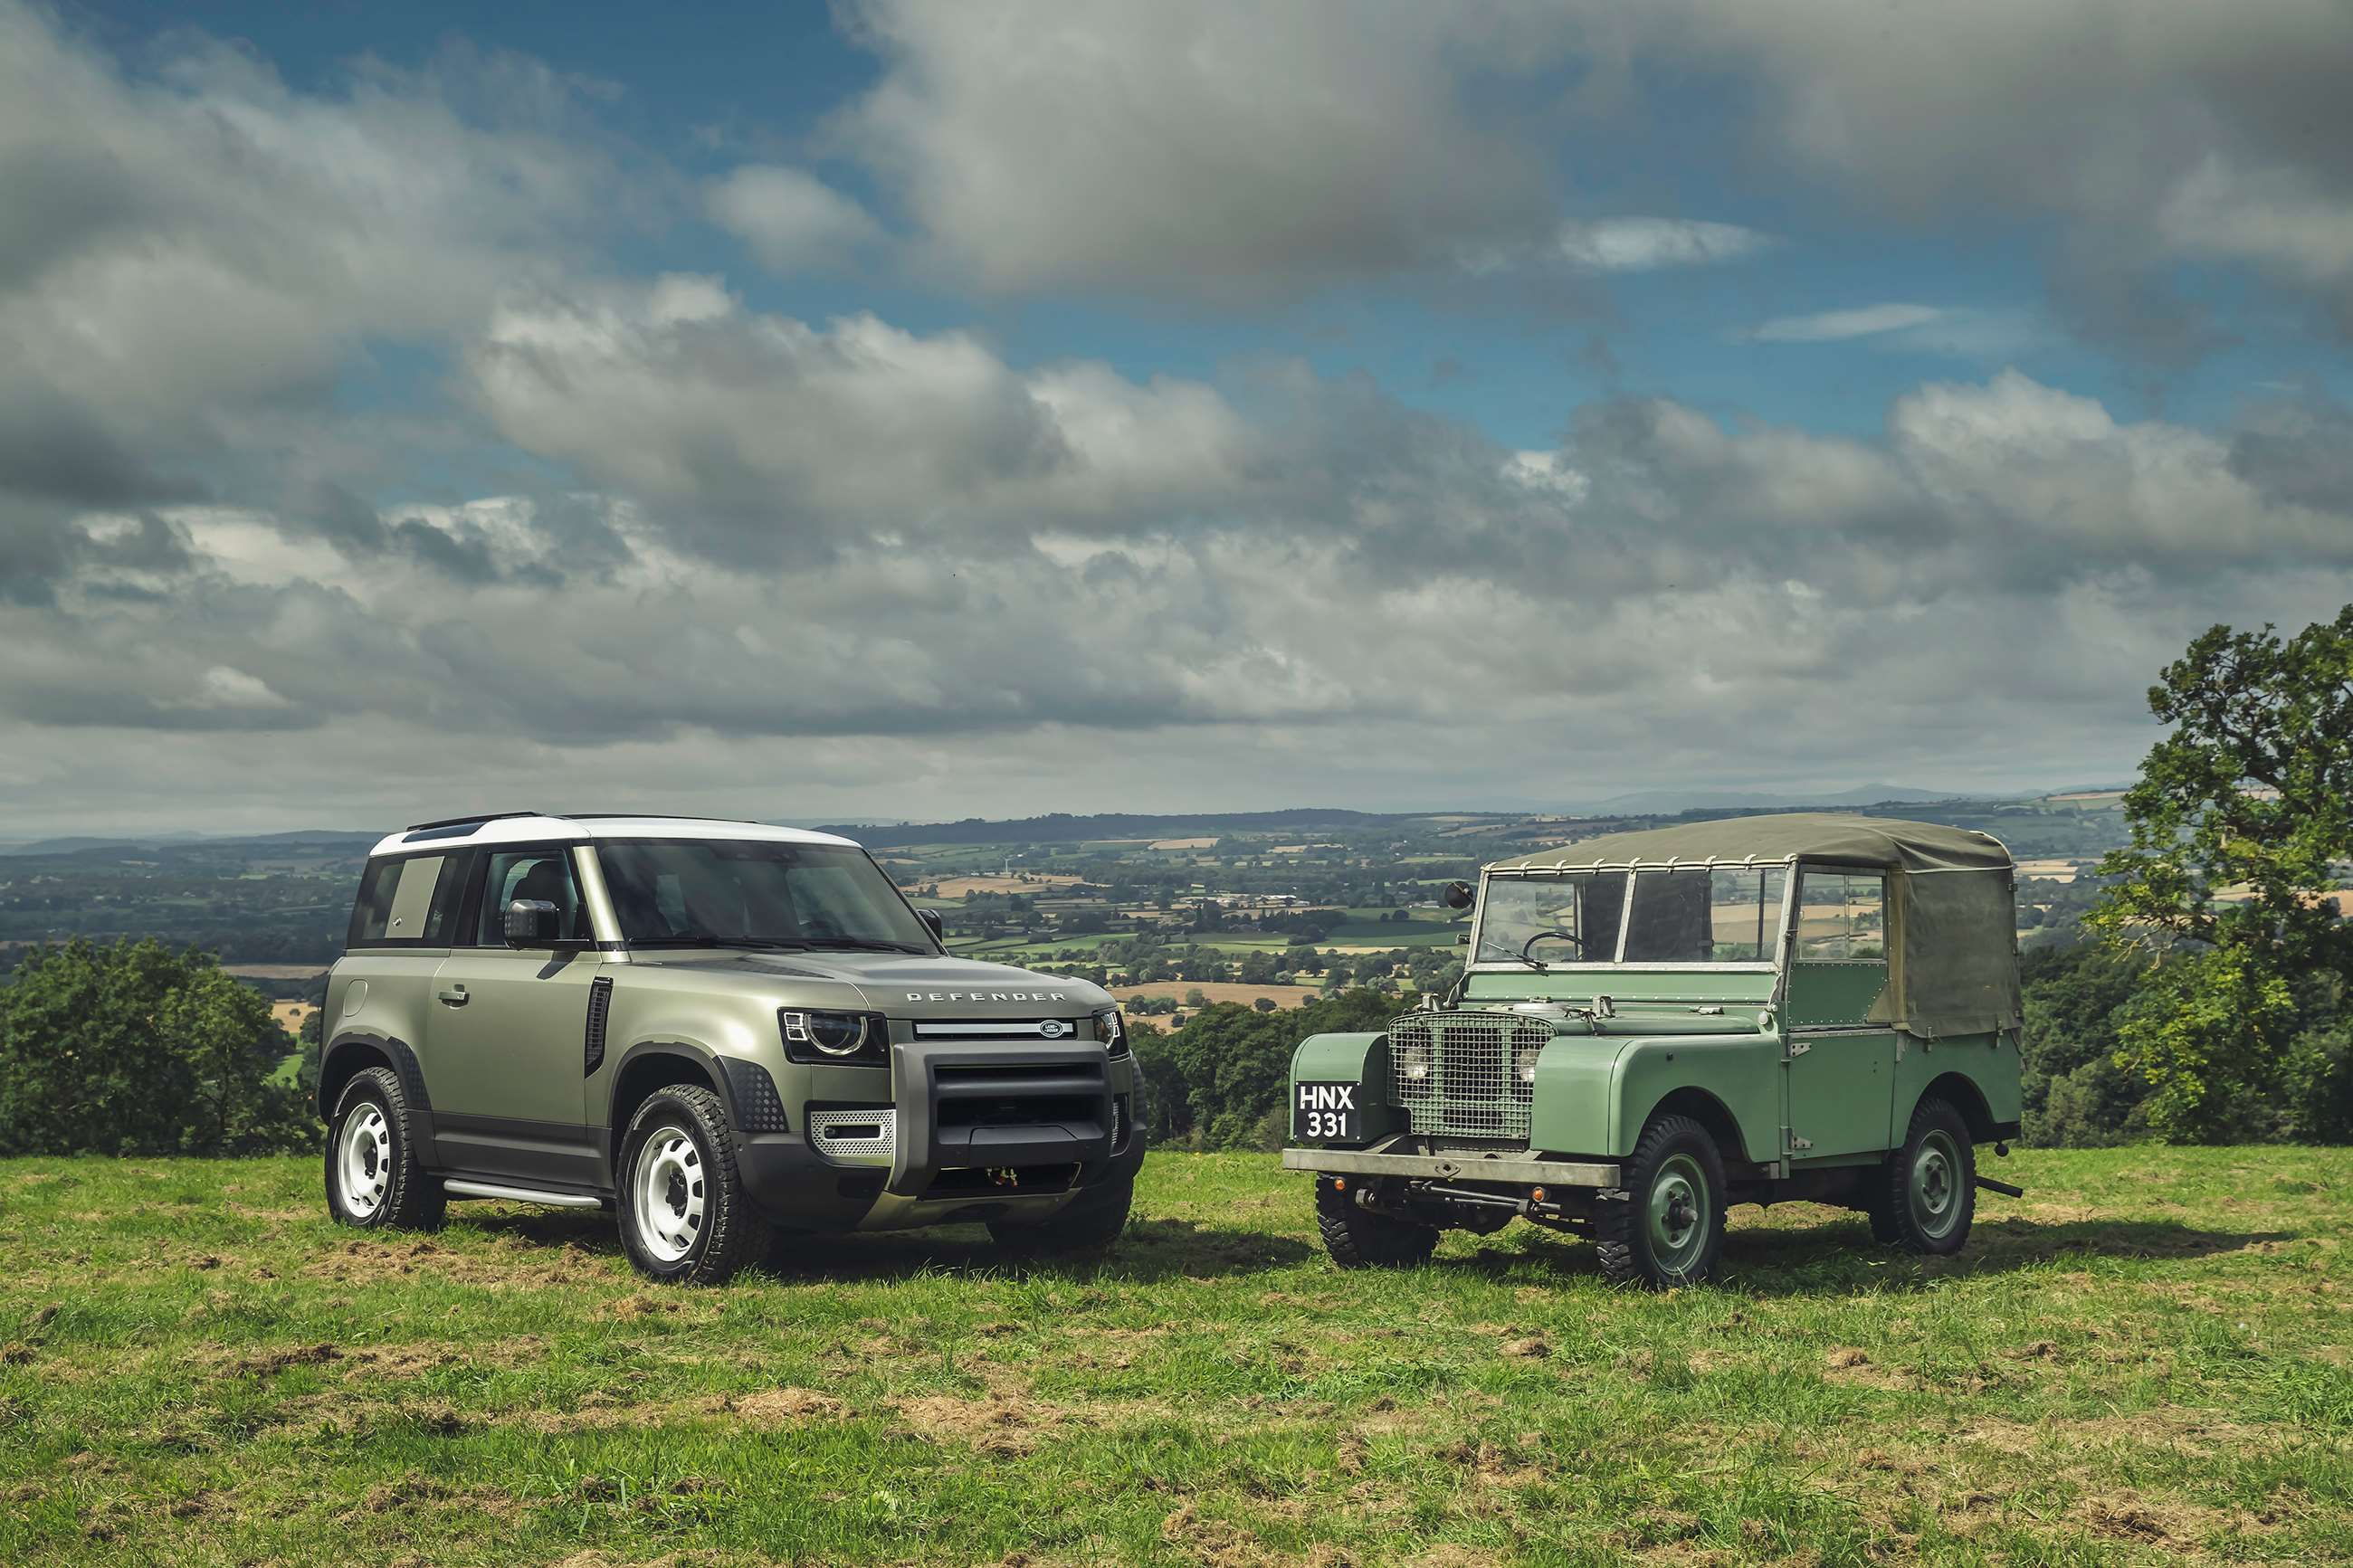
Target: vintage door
column 1840, row 1052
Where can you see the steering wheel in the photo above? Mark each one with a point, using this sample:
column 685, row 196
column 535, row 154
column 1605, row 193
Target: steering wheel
column 1567, row 936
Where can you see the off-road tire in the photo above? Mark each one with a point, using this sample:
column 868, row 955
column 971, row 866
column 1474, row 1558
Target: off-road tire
column 1928, row 1196
column 1356, row 1237
column 1086, row 1226
column 1673, row 1189
column 685, row 1126
column 409, row 1198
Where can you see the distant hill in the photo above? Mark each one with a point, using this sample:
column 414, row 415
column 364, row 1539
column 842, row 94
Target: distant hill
column 1668, row 801
column 1060, row 828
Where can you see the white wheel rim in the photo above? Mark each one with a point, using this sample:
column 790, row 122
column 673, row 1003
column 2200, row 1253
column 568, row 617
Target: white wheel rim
column 667, row 1194
column 364, row 1159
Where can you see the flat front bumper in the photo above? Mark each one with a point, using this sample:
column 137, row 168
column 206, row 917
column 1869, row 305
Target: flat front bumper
column 1375, row 1162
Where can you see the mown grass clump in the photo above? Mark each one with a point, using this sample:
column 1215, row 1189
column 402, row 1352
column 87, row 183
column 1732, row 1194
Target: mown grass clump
column 2145, row 1361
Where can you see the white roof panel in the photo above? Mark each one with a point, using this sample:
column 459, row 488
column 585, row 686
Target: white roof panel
column 534, row 830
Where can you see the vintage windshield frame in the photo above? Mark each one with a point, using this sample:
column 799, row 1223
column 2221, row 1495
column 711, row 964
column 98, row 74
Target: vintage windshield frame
column 1617, row 963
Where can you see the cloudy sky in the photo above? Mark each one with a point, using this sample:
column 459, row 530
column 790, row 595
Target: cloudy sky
column 923, row 408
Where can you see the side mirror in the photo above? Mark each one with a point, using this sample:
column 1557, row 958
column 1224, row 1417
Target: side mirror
column 931, row 917
column 1459, row 895
column 531, row 923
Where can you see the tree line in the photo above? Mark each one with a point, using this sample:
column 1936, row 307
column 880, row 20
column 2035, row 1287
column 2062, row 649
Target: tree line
column 2213, row 1004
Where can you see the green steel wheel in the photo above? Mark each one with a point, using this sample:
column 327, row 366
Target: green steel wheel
column 1929, row 1193
column 1665, row 1226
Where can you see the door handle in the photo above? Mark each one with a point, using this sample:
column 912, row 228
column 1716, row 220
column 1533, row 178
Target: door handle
column 455, row 995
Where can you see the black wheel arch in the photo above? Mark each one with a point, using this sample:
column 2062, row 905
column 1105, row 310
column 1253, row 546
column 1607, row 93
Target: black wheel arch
column 653, row 1065
column 354, row 1051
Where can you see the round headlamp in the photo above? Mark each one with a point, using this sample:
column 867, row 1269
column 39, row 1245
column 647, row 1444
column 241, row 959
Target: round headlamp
column 834, row 1033
column 1110, row 1028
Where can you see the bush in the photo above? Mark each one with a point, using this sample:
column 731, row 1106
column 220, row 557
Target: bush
column 133, row 1049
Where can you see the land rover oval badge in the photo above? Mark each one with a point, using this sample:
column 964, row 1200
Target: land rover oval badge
column 1053, row 1028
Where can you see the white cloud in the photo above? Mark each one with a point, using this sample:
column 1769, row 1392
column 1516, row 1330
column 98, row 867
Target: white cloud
column 222, row 687
column 1222, row 148
column 792, row 220
column 1836, row 326
column 1643, row 244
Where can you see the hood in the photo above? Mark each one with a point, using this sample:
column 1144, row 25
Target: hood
column 905, row 984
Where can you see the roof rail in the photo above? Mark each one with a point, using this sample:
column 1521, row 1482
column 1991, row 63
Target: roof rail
column 473, row 820
column 649, row 816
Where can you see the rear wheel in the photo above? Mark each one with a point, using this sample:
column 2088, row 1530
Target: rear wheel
column 1668, row 1229
column 1358, row 1238
column 374, row 1179
column 685, row 1217
column 1928, row 1190
column 1085, row 1227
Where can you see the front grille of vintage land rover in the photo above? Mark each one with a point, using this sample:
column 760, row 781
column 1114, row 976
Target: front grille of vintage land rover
column 1457, row 1074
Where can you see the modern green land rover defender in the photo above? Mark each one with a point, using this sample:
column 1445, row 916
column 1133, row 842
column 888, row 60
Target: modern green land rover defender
column 717, row 1029
column 1652, row 1025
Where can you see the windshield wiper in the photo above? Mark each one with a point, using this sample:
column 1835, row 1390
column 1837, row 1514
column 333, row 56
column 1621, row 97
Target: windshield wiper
column 874, row 943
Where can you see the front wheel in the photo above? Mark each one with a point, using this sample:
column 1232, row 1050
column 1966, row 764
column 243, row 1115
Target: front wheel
column 1358, row 1238
column 1086, row 1226
column 1928, row 1190
column 1666, row 1228
column 685, row 1217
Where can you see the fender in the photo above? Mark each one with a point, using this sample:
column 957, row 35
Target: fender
column 1359, row 1060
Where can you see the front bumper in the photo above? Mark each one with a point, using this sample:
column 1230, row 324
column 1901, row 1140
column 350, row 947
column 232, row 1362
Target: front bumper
column 972, row 1132
column 1383, row 1159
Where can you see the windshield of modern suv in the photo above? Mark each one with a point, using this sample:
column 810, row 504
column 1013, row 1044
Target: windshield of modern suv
column 738, row 892
column 1694, row 914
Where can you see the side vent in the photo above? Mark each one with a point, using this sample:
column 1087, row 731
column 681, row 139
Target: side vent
column 600, row 1004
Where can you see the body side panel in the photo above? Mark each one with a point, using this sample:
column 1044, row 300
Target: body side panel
column 1841, row 1091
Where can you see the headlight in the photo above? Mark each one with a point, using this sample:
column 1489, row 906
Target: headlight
column 1110, row 1028
column 816, row 1037
column 1524, row 1069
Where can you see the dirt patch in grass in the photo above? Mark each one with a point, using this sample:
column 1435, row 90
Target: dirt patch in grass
column 375, row 1262
column 775, row 1408
column 1003, row 1424
column 414, row 1492
column 1847, row 1364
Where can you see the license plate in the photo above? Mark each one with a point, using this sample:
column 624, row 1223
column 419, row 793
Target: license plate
column 1327, row 1113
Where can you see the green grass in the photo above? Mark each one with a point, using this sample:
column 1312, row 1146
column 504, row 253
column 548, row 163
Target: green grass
column 2144, row 1362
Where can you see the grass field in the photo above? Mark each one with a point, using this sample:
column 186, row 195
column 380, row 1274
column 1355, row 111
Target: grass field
column 2145, row 1362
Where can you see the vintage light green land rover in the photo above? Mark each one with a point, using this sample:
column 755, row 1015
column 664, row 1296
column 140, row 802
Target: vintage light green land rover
column 1652, row 1025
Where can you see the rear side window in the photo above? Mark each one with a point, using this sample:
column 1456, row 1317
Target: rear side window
column 1842, row 914
column 405, row 901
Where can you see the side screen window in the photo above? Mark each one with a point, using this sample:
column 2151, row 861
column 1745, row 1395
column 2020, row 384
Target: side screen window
column 1842, row 914
column 405, row 901
column 544, row 873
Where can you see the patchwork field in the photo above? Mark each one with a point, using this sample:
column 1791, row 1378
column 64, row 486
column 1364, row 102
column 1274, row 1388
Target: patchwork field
column 2145, row 1362
column 1221, row 991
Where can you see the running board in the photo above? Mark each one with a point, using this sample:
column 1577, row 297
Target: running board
column 462, row 1189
